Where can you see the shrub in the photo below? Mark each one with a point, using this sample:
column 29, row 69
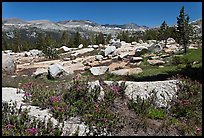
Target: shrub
column 155, row 113
column 17, row 122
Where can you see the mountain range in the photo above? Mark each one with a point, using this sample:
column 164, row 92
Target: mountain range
column 85, row 27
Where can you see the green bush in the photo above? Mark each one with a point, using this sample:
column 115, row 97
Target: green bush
column 155, row 113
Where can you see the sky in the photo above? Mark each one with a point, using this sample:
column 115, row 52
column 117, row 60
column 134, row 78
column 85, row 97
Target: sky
column 150, row 14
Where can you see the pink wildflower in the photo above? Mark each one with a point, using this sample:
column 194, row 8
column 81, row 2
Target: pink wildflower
column 32, row 130
column 78, row 87
column 26, row 94
column 9, row 126
column 116, row 89
column 97, row 108
column 198, row 130
column 55, row 99
column 185, row 102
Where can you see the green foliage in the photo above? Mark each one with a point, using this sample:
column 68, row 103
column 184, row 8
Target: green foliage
column 77, row 39
column 155, row 113
column 124, row 36
column 99, row 38
column 64, row 39
column 184, row 29
column 108, row 38
column 163, row 32
column 151, row 34
column 142, row 105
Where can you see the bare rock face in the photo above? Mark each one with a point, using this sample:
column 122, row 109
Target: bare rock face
column 80, row 46
column 55, row 70
column 39, row 72
column 127, row 71
column 140, row 50
column 99, row 57
column 8, row 64
column 109, row 50
column 155, row 62
column 98, row 70
column 170, row 41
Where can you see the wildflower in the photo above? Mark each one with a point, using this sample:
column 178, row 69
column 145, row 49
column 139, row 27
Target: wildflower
column 97, row 108
column 55, row 99
column 26, row 94
column 198, row 130
column 46, row 86
column 78, row 87
column 185, row 102
column 116, row 89
column 9, row 126
column 77, row 77
column 59, row 108
column 32, row 131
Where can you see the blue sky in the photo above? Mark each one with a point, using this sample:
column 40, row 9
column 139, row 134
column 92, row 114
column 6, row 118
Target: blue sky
column 150, row 14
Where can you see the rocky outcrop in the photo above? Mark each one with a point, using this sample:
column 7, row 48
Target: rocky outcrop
column 140, row 50
column 130, row 71
column 8, row 64
column 98, row 70
column 99, row 57
column 155, row 62
column 55, row 70
column 109, row 50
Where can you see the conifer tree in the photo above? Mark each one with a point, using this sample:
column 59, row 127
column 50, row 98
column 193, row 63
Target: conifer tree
column 163, row 32
column 77, row 39
column 184, row 29
column 64, row 39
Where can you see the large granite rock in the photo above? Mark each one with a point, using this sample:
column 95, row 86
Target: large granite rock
column 155, row 62
column 127, row 71
column 109, row 50
column 155, row 48
column 8, row 64
column 116, row 44
column 136, row 59
column 99, row 57
column 99, row 70
column 55, row 70
column 80, row 46
column 39, row 72
column 140, row 50
column 36, row 52
column 170, row 41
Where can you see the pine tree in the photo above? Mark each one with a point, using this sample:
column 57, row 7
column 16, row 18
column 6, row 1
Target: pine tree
column 183, row 29
column 4, row 44
column 77, row 39
column 16, row 44
column 64, row 39
column 40, row 42
column 108, row 38
column 163, row 32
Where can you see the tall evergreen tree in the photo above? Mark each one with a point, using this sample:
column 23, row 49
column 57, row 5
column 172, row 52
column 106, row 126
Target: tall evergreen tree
column 163, row 32
column 183, row 29
column 16, row 44
column 4, row 44
column 40, row 42
column 77, row 39
column 108, row 38
column 64, row 39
